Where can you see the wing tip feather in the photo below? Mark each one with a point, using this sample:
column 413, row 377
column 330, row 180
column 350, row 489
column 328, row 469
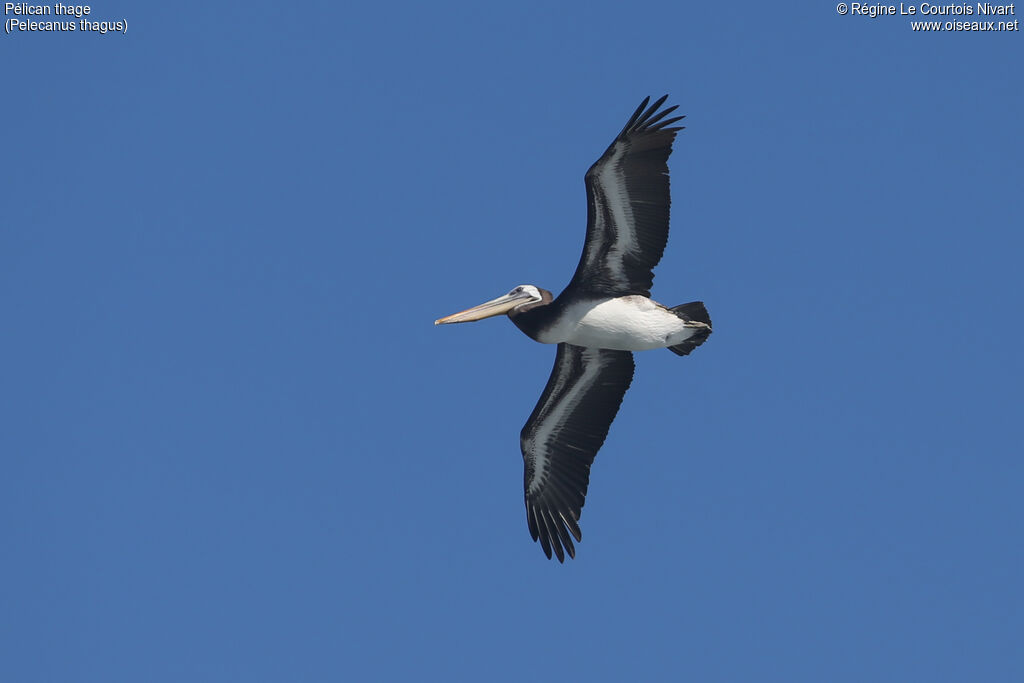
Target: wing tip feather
column 649, row 118
column 633, row 119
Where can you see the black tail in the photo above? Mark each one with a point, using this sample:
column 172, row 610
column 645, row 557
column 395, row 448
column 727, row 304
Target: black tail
column 696, row 313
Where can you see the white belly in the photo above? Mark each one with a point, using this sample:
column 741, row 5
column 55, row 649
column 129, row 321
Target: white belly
column 629, row 323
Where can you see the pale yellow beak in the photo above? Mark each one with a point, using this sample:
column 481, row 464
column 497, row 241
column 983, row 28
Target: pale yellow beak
column 503, row 304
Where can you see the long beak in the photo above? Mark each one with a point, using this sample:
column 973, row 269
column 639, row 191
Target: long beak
column 503, row 304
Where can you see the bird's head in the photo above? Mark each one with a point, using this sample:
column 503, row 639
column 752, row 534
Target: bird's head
column 518, row 300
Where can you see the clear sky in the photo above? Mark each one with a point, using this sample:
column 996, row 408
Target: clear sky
column 235, row 448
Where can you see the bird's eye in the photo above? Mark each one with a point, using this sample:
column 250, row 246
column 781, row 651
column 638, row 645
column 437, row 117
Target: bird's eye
column 517, row 290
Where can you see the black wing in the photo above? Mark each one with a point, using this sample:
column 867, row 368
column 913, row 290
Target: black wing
column 628, row 206
column 563, row 435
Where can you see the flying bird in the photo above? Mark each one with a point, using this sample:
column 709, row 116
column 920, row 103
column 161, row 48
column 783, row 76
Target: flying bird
column 602, row 316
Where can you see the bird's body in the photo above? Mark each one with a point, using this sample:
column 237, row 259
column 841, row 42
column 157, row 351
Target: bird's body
column 602, row 316
column 623, row 323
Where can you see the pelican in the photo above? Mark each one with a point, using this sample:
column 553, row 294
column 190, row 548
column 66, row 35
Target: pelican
column 602, row 316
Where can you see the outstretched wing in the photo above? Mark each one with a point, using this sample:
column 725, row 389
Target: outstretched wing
column 563, row 435
column 628, row 206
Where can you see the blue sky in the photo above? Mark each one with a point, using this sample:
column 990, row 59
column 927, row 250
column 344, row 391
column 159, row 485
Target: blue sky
column 235, row 448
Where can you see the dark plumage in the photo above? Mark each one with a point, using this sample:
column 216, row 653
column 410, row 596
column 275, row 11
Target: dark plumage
column 559, row 445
